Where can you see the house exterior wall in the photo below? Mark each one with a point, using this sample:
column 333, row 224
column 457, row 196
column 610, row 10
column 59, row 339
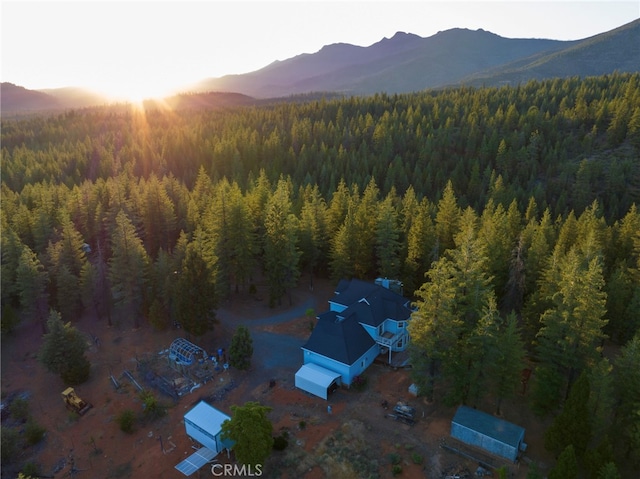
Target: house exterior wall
column 347, row 372
column 392, row 327
column 474, row 438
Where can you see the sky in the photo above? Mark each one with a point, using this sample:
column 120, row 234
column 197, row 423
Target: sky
column 133, row 50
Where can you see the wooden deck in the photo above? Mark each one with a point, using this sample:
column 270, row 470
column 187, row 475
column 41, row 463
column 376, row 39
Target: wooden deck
column 399, row 359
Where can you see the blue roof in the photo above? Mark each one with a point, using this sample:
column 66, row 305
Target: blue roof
column 488, row 425
column 207, row 417
column 343, row 340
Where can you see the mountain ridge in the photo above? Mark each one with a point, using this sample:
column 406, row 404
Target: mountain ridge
column 402, row 63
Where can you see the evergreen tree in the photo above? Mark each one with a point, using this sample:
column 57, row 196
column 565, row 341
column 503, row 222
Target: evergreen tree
column 447, row 219
column 627, row 411
column 601, row 397
column 196, row 298
column 158, row 217
column 480, row 352
column 566, row 466
column 505, row 369
column 435, row 326
column 573, row 425
column 280, row 244
column 338, row 206
column 365, row 216
column 499, row 241
column 570, row 337
column 229, row 223
column 471, row 273
column 596, row 458
column 241, row 349
column 421, row 244
column 68, row 298
column 128, row 269
column 32, row 281
column 10, row 251
column 609, row 471
column 313, row 234
column 66, row 260
column 388, row 240
column 343, row 247
column 251, row 431
column 63, row 351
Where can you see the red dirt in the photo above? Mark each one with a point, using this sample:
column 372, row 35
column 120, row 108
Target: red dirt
column 99, row 449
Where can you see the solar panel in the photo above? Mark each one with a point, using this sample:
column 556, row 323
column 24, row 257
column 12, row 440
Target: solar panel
column 195, row 461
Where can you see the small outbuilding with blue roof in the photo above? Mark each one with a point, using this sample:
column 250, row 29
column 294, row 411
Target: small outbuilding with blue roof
column 487, row 432
column 203, row 424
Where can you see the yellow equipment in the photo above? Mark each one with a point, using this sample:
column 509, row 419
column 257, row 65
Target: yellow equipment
column 74, row 403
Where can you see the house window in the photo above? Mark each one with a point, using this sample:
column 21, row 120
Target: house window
column 401, row 324
column 362, row 364
column 400, row 343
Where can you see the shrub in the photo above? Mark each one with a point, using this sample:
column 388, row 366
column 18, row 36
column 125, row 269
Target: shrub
column 31, row 469
column 34, row 432
column 417, row 458
column 302, row 425
column 152, row 409
column 10, row 444
column 359, row 383
column 19, row 409
column 396, row 469
column 394, row 458
column 77, row 373
column 127, row 420
column 241, row 348
column 280, row 442
column 9, row 319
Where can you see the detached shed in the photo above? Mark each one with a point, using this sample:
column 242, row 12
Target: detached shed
column 203, row 424
column 487, row 432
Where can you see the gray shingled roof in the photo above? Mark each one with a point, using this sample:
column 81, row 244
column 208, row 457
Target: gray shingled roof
column 340, row 336
column 381, row 303
column 343, row 340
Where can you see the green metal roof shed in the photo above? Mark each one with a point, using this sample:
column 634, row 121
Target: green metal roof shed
column 487, row 432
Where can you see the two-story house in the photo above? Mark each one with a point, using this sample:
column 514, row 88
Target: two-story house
column 364, row 320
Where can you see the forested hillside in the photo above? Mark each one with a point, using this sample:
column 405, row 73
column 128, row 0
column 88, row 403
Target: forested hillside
column 510, row 212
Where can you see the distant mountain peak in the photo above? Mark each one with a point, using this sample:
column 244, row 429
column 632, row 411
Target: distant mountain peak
column 402, row 36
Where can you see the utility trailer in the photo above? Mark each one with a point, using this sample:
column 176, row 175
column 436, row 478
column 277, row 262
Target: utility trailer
column 404, row 413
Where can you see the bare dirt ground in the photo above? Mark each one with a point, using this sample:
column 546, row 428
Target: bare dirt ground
column 355, row 440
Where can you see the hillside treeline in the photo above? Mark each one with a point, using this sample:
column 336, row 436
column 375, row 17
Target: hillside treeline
column 560, row 141
column 509, row 214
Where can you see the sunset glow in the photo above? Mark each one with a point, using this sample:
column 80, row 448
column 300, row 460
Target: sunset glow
column 148, row 49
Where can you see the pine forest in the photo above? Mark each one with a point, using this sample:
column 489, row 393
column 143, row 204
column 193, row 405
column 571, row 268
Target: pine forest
column 509, row 214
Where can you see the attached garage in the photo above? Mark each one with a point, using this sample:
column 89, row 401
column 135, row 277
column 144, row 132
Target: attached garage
column 487, row 432
column 317, row 380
